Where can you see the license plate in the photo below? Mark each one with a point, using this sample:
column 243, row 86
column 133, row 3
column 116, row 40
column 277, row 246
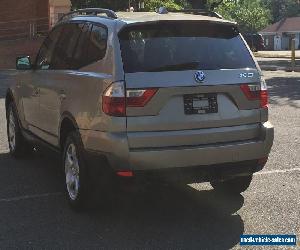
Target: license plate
column 200, row 104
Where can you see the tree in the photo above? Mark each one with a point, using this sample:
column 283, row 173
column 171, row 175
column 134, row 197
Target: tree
column 111, row 4
column 150, row 5
column 198, row 4
column 250, row 15
column 282, row 8
column 154, row 4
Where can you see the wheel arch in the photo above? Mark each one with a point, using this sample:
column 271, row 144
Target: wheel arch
column 9, row 98
column 67, row 124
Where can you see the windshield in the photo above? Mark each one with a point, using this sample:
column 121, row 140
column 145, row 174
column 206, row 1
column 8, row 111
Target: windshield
column 183, row 46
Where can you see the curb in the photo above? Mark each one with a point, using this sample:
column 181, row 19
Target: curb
column 276, row 68
column 277, row 57
column 257, row 54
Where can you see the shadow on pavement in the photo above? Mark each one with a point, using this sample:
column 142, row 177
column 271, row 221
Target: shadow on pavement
column 160, row 217
column 277, row 62
column 178, row 217
column 287, row 88
column 32, row 175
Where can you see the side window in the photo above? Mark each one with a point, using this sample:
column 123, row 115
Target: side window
column 63, row 52
column 44, row 57
column 98, row 43
column 73, row 46
column 80, row 55
column 91, row 46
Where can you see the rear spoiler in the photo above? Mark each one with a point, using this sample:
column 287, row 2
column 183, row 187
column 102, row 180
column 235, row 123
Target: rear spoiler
column 202, row 12
column 220, row 22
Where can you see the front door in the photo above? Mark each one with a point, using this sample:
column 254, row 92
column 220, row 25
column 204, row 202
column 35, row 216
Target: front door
column 30, row 97
column 40, row 79
column 277, row 43
column 58, row 79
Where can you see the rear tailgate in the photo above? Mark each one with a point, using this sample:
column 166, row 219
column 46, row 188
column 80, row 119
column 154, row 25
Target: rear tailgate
column 198, row 75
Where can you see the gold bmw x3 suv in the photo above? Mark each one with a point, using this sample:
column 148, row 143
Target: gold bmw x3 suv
column 135, row 95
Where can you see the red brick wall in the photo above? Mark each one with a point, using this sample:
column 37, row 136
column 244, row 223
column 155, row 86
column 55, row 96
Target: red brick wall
column 21, row 10
column 9, row 50
column 15, row 16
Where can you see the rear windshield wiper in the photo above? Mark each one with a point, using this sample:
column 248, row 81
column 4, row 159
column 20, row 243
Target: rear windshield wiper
column 171, row 67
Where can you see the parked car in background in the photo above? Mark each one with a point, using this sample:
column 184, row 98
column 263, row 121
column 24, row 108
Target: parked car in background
column 255, row 42
column 130, row 95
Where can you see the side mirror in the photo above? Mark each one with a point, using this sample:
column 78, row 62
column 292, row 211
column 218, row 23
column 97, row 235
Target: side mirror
column 23, row 63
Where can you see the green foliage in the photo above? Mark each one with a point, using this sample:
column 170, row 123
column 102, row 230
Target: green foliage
column 282, row 8
column 152, row 5
column 250, row 15
column 110, row 4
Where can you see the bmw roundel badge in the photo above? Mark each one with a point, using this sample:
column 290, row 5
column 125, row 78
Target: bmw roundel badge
column 199, row 76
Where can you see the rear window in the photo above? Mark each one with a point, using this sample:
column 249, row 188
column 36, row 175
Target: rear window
column 172, row 46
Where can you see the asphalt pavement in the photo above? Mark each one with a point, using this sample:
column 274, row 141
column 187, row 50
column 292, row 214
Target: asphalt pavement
column 278, row 64
column 34, row 213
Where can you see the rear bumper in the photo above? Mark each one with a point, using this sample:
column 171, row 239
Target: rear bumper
column 121, row 157
column 204, row 155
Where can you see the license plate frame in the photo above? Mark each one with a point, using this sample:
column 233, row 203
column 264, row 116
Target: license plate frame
column 192, row 104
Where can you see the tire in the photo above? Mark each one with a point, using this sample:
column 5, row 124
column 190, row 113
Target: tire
column 76, row 172
column 236, row 185
column 18, row 146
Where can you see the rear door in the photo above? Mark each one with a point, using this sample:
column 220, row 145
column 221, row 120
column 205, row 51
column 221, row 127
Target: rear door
column 197, row 70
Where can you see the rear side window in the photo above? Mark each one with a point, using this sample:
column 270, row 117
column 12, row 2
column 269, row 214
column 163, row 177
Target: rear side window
column 97, row 43
column 63, row 54
column 80, row 54
column 174, row 46
column 91, row 46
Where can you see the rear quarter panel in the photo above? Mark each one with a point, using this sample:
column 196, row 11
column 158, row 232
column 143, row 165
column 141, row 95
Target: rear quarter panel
column 86, row 86
column 84, row 101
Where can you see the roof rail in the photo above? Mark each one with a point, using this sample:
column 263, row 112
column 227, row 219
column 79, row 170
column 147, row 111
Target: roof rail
column 199, row 12
column 89, row 11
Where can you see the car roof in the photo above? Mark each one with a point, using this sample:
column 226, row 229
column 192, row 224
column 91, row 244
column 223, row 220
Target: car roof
column 124, row 18
column 138, row 17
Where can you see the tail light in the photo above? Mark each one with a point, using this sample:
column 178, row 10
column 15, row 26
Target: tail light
column 114, row 100
column 256, row 92
column 139, row 97
column 125, row 173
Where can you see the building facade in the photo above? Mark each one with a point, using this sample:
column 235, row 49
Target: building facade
column 57, row 8
column 278, row 36
column 29, row 18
